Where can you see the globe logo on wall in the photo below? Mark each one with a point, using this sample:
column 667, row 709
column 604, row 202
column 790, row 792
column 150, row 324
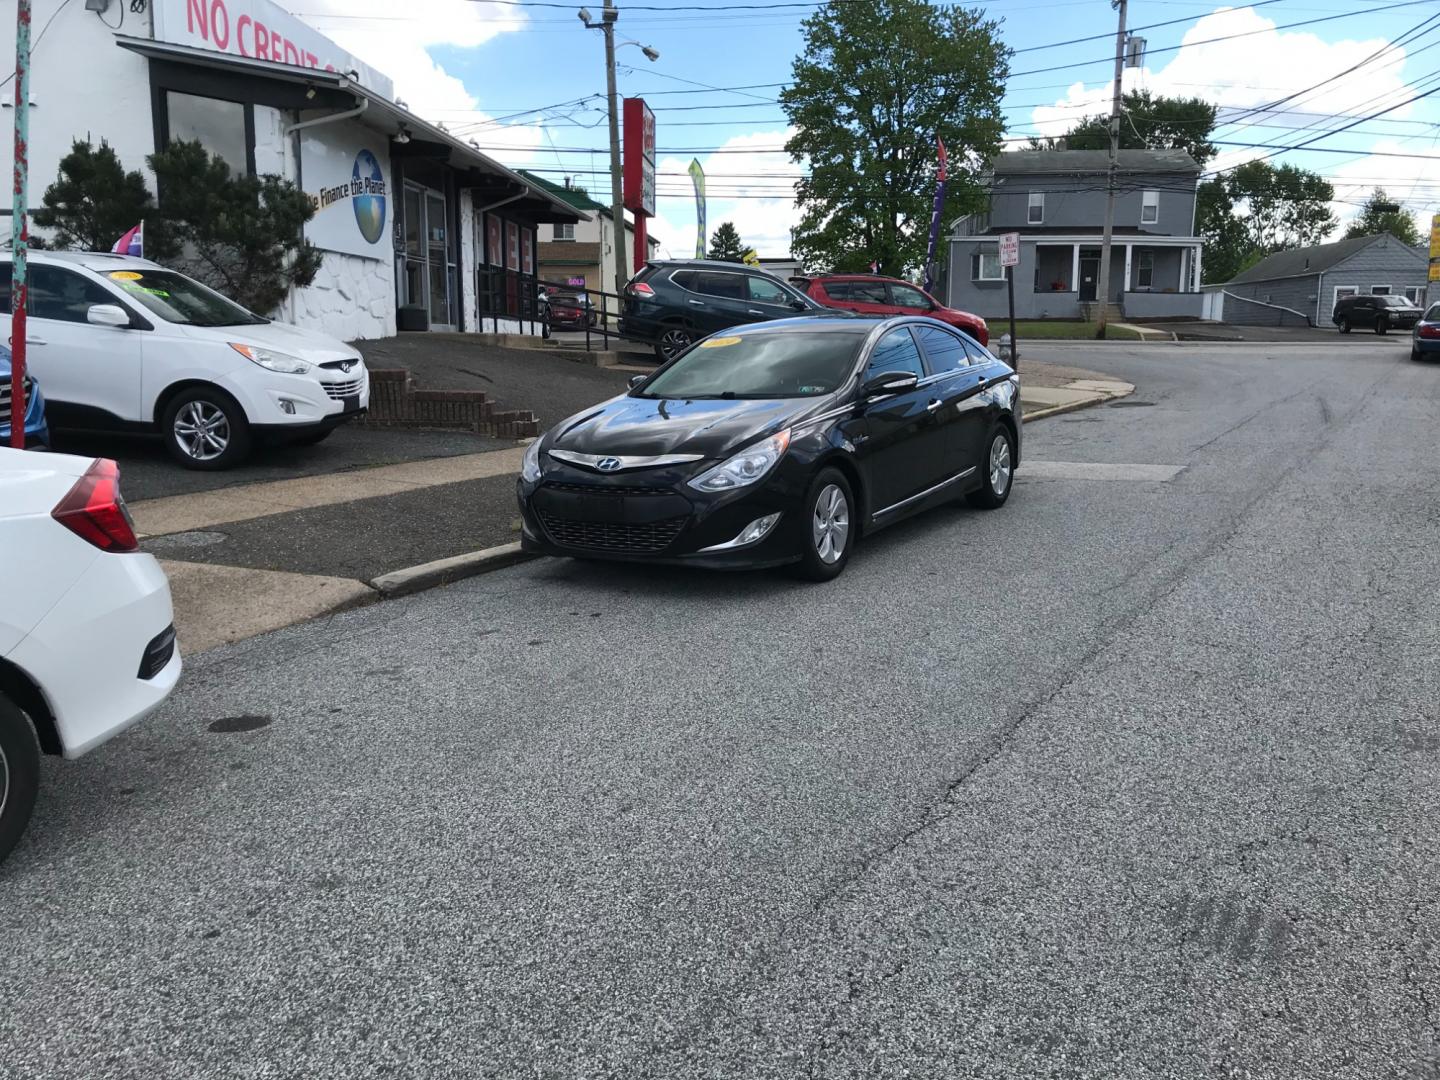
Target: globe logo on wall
column 368, row 196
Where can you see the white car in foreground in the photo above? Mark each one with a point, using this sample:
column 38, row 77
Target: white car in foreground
column 123, row 344
column 87, row 645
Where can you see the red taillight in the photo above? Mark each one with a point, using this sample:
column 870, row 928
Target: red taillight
column 1430, row 330
column 94, row 511
column 639, row 288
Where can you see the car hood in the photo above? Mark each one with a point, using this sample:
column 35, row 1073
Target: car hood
column 306, row 344
column 649, row 426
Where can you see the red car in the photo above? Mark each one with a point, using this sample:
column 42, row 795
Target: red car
column 872, row 295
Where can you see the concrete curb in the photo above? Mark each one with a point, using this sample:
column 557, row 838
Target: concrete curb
column 1072, row 406
column 415, row 579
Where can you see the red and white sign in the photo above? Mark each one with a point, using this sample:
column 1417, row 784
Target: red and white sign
column 1010, row 249
column 639, row 157
column 261, row 30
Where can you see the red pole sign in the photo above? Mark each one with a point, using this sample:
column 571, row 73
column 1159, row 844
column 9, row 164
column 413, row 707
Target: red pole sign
column 640, row 171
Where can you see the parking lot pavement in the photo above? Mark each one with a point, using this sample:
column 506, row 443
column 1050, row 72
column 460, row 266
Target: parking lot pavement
column 548, row 385
column 147, row 472
column 1133, row 778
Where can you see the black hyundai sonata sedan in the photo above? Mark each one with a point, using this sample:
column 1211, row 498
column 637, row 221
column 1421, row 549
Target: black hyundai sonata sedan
column 779, row 442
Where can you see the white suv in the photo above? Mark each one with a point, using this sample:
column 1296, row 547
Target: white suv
column 121, row 343
column 87, row 645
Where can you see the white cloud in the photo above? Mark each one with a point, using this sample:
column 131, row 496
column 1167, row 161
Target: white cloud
column 1249, row 71
column 749, row 165
column 397, row 45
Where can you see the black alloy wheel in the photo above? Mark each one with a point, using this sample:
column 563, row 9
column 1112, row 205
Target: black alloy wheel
column 1344, row 325
column 1382, row 325
column 19, row 774
column 673, row 341
column 828, row 527
column 998, row 467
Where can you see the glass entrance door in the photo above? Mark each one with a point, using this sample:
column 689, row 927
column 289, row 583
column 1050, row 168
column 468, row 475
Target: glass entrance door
column 429, row 262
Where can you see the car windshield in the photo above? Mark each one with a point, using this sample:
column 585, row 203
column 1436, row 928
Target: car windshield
column 783, row 364
column 1393, row 301
column 179, row 299
column 1433, row 315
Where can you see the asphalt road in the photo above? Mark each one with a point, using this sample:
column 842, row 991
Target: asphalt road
column 1133, row 778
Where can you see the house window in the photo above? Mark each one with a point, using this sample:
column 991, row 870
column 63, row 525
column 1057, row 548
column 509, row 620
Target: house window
column 1412, row 293
column 1379, row 290
column 1342, row 291
column 985, row 266
column 1144, row 269
column 565, row 232
column 1149, row 208
column 1036, row 213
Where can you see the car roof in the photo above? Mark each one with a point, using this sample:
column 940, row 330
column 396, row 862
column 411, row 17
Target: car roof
column 856, row 324
column 710, row 264
column 859, row 277
column 91, row 260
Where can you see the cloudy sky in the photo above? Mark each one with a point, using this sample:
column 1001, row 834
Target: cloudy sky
column 526, row 83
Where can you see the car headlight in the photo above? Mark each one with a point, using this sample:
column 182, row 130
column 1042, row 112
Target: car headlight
column 271, row 360
column 746, row 467
column 530, row 466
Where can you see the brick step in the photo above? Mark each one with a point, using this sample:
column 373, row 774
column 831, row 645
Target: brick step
column 395, row 402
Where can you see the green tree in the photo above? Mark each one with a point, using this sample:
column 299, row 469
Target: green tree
column 874, row 88
column 241, row 235
column 93, row 201
column 1152, row 123
column 1257, row 209
column 725, row 243
column 1381, row 214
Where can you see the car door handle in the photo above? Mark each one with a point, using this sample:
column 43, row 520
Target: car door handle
column 934, row 404
column 752, row 311
column 697, row 303
column 35, row 340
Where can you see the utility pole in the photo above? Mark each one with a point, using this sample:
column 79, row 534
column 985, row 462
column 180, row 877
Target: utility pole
column 19, row 226
column 617, row 199
column 1103, row 291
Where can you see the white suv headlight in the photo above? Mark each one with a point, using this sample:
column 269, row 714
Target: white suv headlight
column 271, row 360
column 746, row 467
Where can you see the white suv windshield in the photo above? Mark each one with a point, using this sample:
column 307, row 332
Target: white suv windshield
column 179, row 299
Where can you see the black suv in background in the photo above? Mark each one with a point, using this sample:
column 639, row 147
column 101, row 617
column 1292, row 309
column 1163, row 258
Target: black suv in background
column 671, row 304
column 1380, row 313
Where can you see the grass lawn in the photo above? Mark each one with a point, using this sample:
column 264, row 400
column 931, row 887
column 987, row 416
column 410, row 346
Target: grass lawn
column 1034, row 329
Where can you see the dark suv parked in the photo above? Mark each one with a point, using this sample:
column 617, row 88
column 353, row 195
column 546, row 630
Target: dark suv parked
column 671, row 304
column 1381, row 313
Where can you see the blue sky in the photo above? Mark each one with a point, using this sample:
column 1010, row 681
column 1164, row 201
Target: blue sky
column 472, row 64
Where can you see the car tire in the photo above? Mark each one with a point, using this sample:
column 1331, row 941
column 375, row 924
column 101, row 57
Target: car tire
column 1414, row 355
column 1344, row 325
column 1382, row 326
column 226, row 439
column 673, row 341
column 825, row 549
column 19, row 774
column 998, row 471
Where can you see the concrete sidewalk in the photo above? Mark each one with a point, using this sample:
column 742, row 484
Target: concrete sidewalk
column 248, row 559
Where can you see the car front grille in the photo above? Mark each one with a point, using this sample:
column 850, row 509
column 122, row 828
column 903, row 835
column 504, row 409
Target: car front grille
column 615, row 536
column 605, row 489
column 5, row 396
column 339, row 390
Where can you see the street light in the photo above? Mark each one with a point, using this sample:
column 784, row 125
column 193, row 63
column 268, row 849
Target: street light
column 606, row 26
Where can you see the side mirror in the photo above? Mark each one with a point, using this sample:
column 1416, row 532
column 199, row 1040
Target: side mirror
column 799, row 305
column 890, row 384
column 636, row 380
column 108, row 315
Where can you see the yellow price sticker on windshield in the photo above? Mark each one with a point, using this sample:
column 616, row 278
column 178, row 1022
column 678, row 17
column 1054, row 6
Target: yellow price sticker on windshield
column 125, row 275
column 719, row 342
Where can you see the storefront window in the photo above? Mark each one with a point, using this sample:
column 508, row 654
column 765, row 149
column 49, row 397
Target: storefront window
column 221, row 127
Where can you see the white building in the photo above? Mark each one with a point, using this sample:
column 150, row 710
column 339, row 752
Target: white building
column 419, row 230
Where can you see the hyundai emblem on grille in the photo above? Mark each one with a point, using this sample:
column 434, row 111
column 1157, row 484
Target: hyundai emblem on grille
column 608, row 464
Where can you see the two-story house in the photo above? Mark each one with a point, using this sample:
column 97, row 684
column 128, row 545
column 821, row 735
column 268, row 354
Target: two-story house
column 1055, row 200
column 581, row 255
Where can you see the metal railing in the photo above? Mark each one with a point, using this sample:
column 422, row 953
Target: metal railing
column 508, row 294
